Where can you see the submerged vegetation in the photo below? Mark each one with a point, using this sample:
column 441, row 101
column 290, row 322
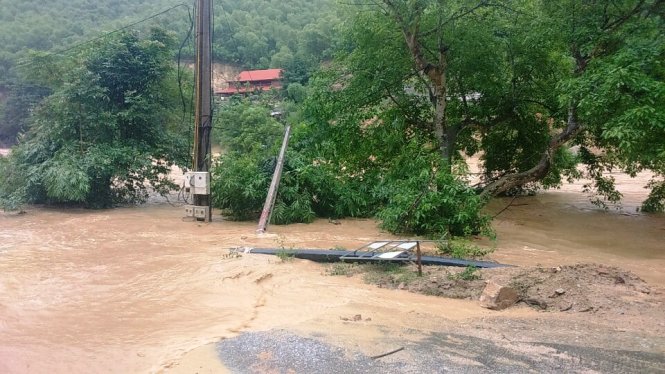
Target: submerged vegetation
column 385, row 107
column 430, row 202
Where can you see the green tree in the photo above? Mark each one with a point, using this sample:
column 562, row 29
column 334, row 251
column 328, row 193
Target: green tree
column 244, row 126
column 55, row 26
column 109, row 130
column 22, row 98
column 296, row 92
column 310, row 187
column 620, row 97
column 591, row 37
column 492, row 76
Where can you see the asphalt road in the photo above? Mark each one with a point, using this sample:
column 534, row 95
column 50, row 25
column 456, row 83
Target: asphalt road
column 280, row 351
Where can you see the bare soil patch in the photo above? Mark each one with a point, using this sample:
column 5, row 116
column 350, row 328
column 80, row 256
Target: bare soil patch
column 582, row 287
column 451, row 282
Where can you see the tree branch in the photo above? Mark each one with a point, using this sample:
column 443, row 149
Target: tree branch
column 541, row 169
column 612, row 26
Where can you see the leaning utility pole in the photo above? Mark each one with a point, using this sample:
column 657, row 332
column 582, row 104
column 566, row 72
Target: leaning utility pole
column 200, row 179
column 266, row 213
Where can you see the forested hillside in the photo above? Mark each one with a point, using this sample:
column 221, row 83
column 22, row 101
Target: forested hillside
column 47, row 26
column 270, row 33
column 294, row 34
column 247, row 32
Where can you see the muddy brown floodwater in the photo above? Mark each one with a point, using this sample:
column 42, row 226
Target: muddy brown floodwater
column 562, row 225
column 136, row 290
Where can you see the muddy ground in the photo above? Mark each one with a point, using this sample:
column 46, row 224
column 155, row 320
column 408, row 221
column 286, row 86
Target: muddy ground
column 569, row 288
column 135, row 290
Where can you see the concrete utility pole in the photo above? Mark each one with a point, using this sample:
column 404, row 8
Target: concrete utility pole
column 203, row 112
column 266, row 213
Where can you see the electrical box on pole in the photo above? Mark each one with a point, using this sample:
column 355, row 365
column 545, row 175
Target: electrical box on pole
column 199, row 180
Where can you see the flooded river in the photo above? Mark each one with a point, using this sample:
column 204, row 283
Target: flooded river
column 134, row 289
column 563, row 226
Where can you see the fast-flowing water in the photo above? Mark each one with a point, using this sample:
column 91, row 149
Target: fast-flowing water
column 132, row 289
column 562, row 225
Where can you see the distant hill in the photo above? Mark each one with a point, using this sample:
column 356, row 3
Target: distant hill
column 54, row 24
column 292, row 34
column 249, row 33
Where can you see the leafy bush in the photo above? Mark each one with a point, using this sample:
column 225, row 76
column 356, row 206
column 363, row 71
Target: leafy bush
column 433, row 206
column 239, row 185
column 656, row 200
column 65, row 179
column 309, row 187
column 12, row 188
column 296, row 92
column 470, row 273
column 461, row 248
column 246, row 127
column 409, row 197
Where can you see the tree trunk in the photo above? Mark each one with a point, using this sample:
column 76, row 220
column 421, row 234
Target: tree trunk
column 441, row 130
column 436, row 75
column 540, row 170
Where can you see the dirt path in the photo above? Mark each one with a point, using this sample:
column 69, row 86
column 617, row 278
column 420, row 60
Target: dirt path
column 138, row 290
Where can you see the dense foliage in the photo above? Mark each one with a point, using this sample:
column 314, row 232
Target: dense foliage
column 539, row 91
column 515, row 82
column 295, row 35
column 532, row 88
column 622, row 103
column 392, row 178
column 55, row 25
column 251, row 33
column 107, row 132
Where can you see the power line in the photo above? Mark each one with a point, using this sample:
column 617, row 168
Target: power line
column 180, row 73
column 78, row 45
column 212, row 78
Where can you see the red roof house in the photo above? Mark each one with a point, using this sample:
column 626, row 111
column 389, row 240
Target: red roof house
column 254, row 80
